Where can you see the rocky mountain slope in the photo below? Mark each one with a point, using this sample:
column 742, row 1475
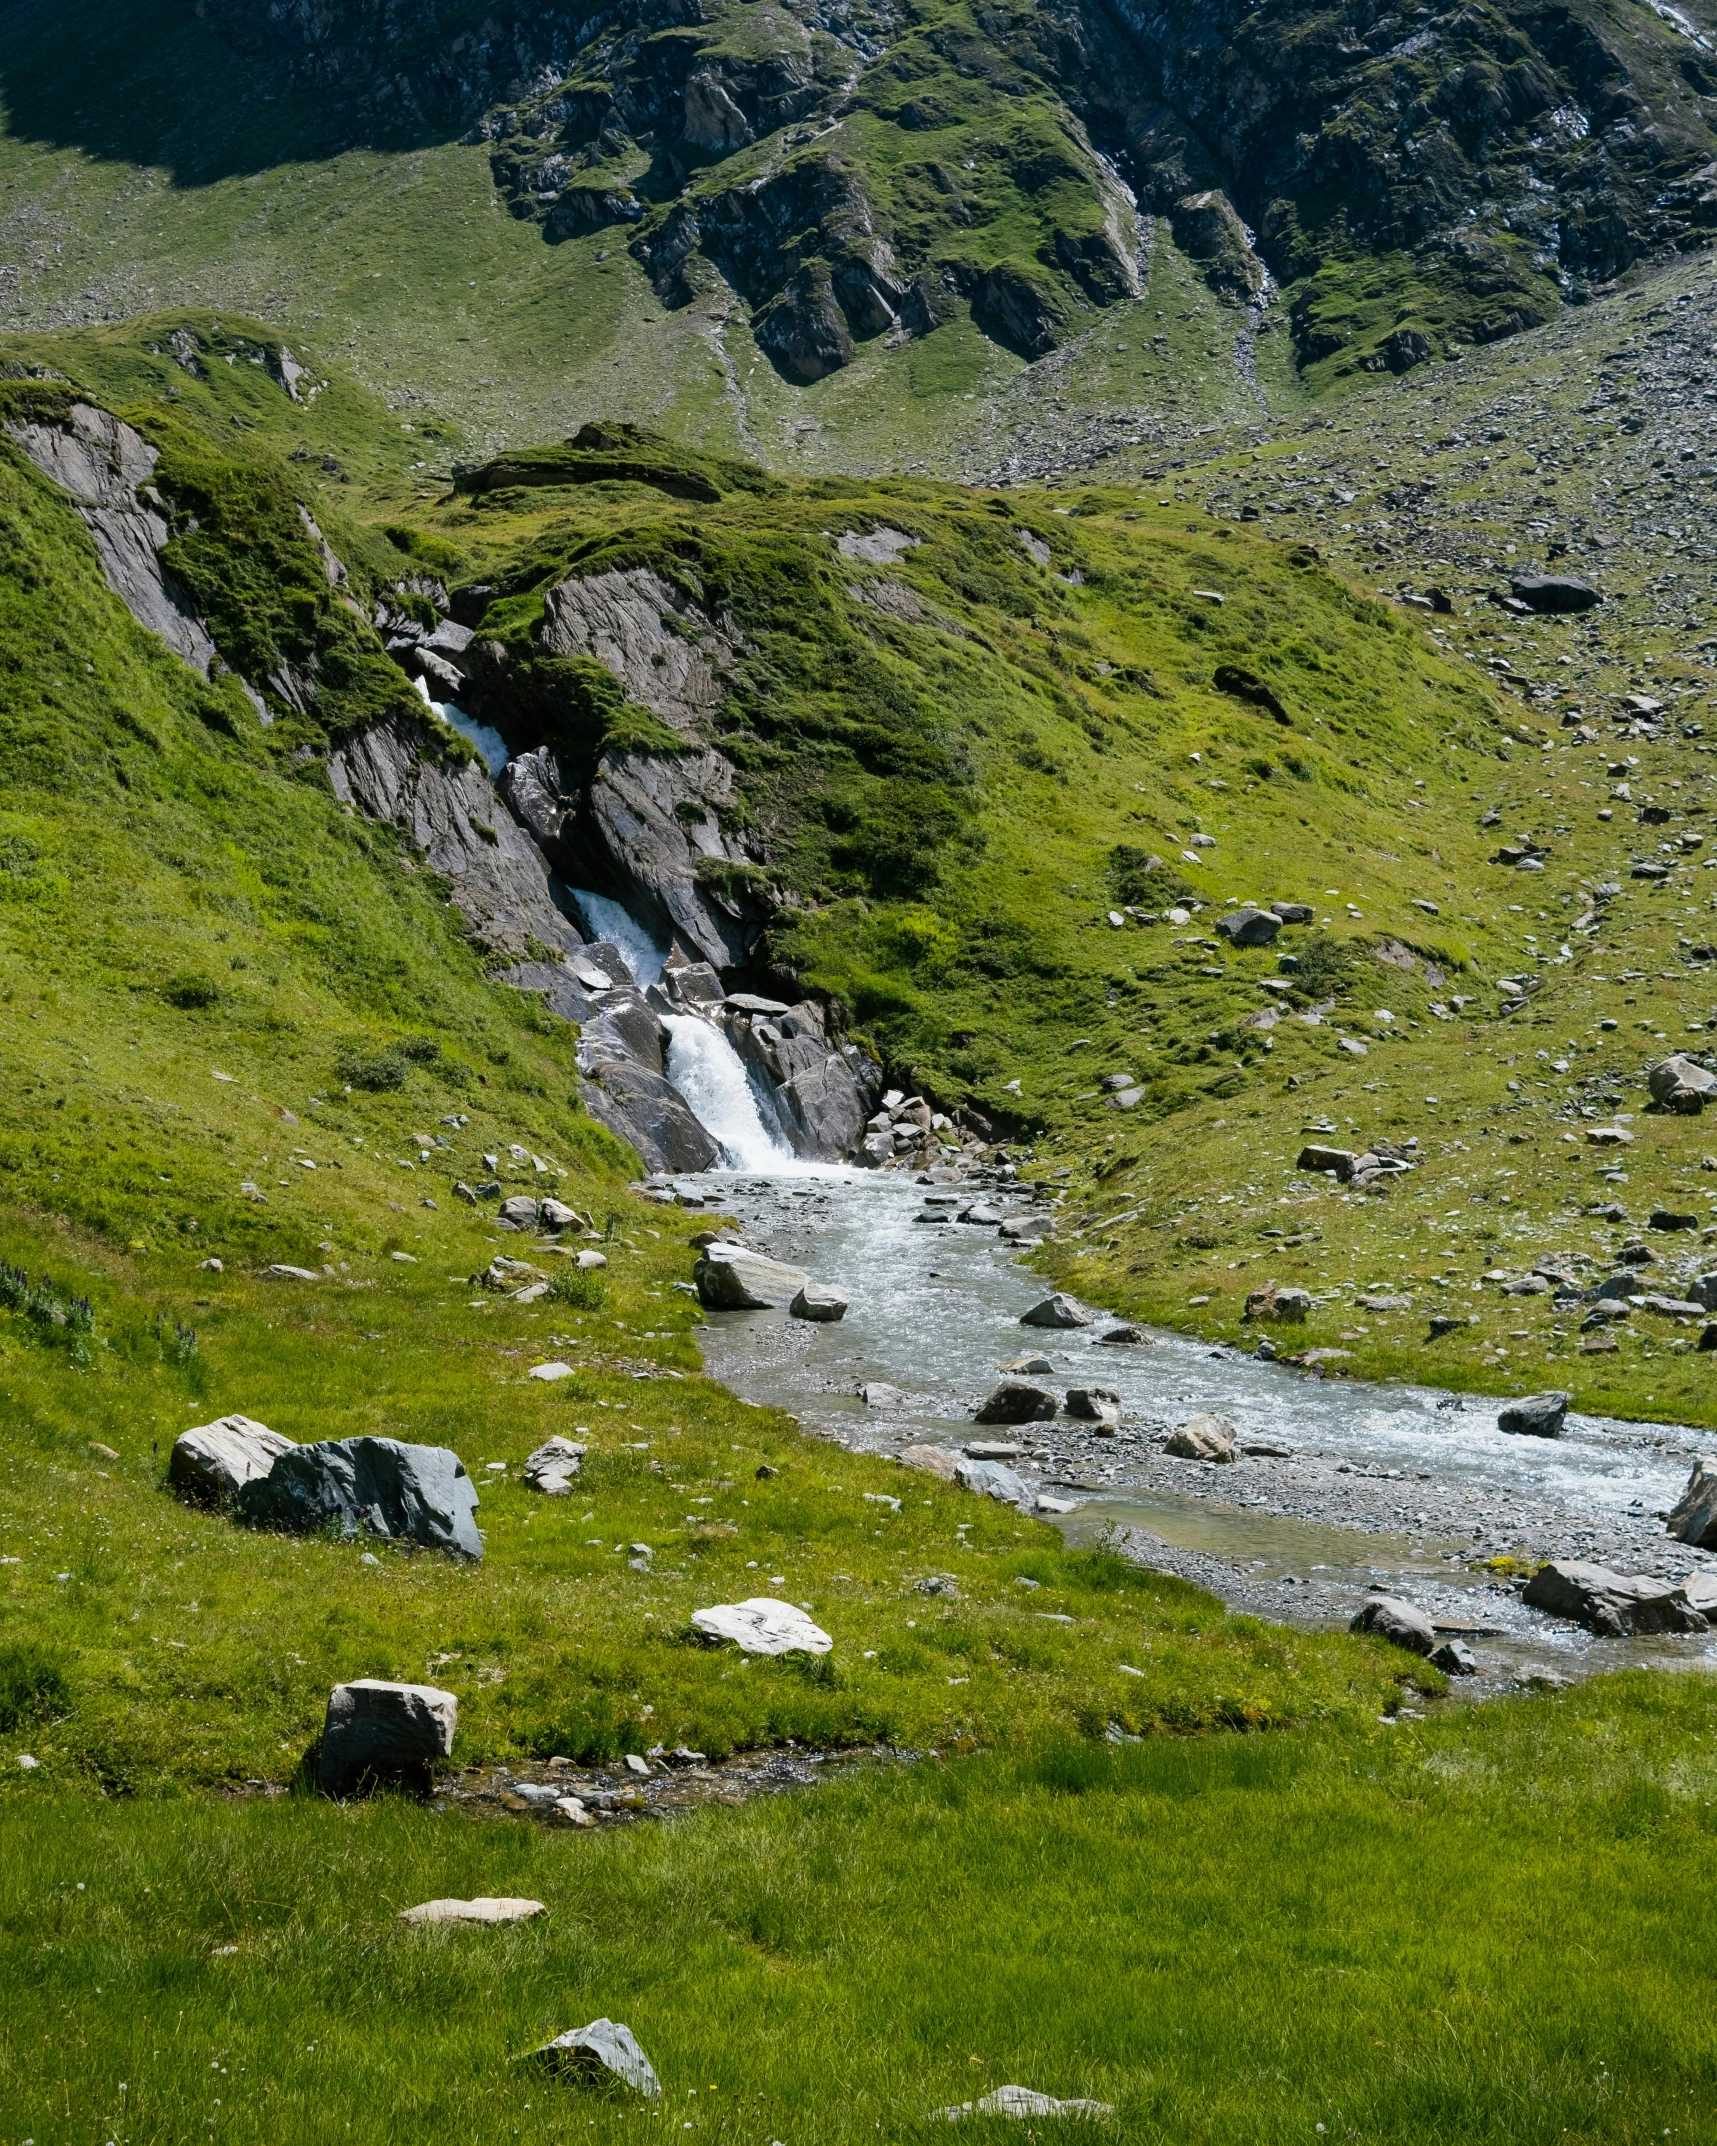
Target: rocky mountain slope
column 843, row 234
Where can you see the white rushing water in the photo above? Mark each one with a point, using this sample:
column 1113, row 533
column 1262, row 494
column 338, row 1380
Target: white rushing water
column 616, row 926
column 489, row 743
column 704, row 1066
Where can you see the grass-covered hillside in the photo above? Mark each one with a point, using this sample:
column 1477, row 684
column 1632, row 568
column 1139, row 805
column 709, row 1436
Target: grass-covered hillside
column 245, row 1025
column 957, row 760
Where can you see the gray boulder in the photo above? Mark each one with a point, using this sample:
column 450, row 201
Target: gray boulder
column 377, row 1486
column 1249, row 927
column 817, row 1301
column 991, row 1479
column 731, row 1277
column 213, row 1462
column 551, row 1468
column 1613, row 1604
column 1294, row 912
column 1539, row 1415
column 1094, row 1404
column 1057, row 1310
column 1681, row 1084
column 377, row 1731
column 604, row 2054
column 520, row 1210
column 1704, row 1292
column 1455, row 1659
column 1398, row 1622
column 1693, row 1518
column 1204, row 1438
column 1272, row 1302
column 1013, row 1401
column 1554, row 592
column 1337, row 1161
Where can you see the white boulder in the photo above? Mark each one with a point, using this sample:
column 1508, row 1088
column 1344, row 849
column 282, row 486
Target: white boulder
column 763, row 1626
column 215, row 1460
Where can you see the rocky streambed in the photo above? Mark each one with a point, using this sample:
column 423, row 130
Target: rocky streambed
column 1340, row 1489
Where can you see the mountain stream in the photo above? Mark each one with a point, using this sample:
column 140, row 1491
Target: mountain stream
column 1397, row 1488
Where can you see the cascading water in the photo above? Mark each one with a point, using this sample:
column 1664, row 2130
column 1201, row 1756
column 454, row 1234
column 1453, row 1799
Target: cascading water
column 489, row 743
column 702, row 1064
column 616, row 926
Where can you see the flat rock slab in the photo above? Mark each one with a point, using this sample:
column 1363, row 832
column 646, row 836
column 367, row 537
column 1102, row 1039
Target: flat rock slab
column 1025, row 2101
column 934, row 1460
column 763, row 1626
column 376, row 1486
column 549, row 1372
column 603, row 2054
column 378, row 1731
column 731, row 1277
column 1613, row 1604
column 472, row 1911
column 214, row 1461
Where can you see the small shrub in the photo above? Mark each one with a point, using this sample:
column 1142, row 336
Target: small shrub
column 579, row 1288
column 190, row 991
column 32, row 1684
column 378, row 1071
column 1324, row 968
column 1141, row 882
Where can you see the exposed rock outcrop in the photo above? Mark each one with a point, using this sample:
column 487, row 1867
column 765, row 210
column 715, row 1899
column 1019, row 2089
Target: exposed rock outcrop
column 677, row 670
column 498, row 876
column 108, row 469
column 824, row 1093
column 1210, row 233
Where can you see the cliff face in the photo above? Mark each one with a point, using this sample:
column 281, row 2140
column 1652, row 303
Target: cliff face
column 855, row 169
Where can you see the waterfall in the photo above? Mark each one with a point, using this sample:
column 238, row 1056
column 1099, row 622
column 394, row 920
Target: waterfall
column 616, row 926
column 704, row 1066
column 489, row 743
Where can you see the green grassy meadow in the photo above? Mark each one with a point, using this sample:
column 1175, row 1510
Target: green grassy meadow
column 1488, row 1928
